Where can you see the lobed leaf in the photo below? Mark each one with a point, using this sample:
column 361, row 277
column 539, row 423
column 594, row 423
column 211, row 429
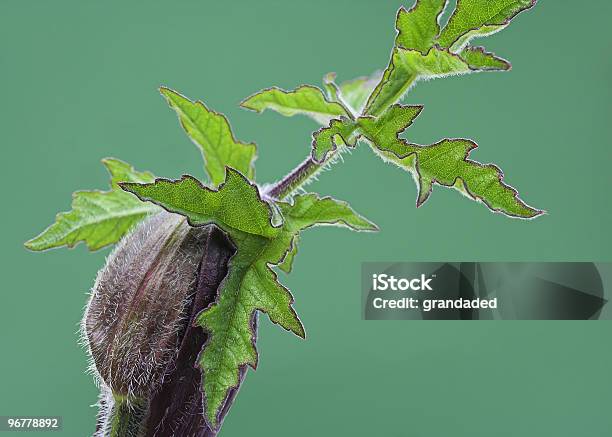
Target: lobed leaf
column 406, row 67
column 476, row 18
column 250, row 285
column 479, row 59
column 424, row 51
column 306, row 99
column 211, row 132
column 309, row 209
column 98, row 218
column 445, row 163
column 236, row 204
column 418, row 28
column 327, row 139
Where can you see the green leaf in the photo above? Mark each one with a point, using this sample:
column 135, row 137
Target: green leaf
column 478, row 59
column 236, row 205
column 306, row 99
column 476, row 18
column 327, row 139
column 250, row 285
column 418, row 27
column 98, row 218
column 287, row 264
column 406, row 67
column 445, row 163
column 355, row 92
column 211, row 132
column 309, row 209
column 391, row 123
column 423, row 51
column 121, row 171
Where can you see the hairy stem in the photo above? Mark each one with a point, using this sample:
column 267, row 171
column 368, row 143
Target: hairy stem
column 309, row 168
column 302, row 174
column 296, row 178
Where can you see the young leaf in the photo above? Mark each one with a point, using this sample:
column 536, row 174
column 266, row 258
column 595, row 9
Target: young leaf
column 476, row 18
column 408, row 66
column 327, row 139
column 479, row 59
column 446, row 163
column 211, row 132
column 306, row 99
column 355, row 92
column 98, row 218
column 250, row 285
column 418, row 27
column 423, row 51
column 309, row 209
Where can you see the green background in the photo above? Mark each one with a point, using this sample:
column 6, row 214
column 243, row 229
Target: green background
column 79, row 83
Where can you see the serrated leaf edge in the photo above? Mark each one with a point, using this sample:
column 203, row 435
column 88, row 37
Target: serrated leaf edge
column 318, row 132
column 422, row 197
column 503, row 24
column 251, row 145
column 127, row 185
column 60, row 215
column 252, row 317
column 414, row 6
column 482, row 50
column 500, row 178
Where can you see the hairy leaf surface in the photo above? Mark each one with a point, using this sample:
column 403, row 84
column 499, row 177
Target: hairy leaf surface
column 423, row 51
column 446, row 163
column 479, row 59
column 408, row 66
column 98, row 218
column 251, row 285
column 327, row 139
column 211, row 132
column 474, row 18
column 306, row 99
column 418, row 27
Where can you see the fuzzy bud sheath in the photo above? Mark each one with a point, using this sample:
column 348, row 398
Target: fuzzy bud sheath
column 140, row 328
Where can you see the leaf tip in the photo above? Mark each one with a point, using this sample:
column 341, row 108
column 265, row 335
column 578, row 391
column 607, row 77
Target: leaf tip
column 248, row 104
column 373, row 227
column 300, row 332
column 534, row 213
column 169, row 94
column 418, row 109
column 400, row 11
column 421, row 199
column 163, row 90
column 31, row 245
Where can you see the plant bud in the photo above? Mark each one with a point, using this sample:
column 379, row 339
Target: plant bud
column 140, row 303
